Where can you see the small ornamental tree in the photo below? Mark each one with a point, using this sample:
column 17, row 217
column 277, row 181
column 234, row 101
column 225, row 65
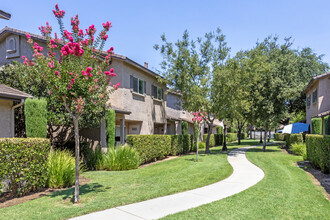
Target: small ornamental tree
column 74, row 71
column 198, row 119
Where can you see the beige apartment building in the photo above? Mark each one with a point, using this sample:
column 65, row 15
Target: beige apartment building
column 318, row 98
column 142, row 104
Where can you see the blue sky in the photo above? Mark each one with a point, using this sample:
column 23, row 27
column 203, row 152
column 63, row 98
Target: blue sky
column 137, row 25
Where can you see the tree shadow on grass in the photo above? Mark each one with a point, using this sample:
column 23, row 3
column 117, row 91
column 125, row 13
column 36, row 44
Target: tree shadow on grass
column 259, row 149
column 83, row 190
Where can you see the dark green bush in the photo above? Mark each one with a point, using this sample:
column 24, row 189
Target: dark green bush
column 299, row 149
column 279, row 137
column 186, row 143
column 243, row 135
column 318, row 151
column 35, row 111
column 230, row 137
column 233, row 130
column 218, row 138
column 316, row 125
column 110, row 117
column 327, row 125
column 60, row 169
column 176, row 145
column 219, row 130
column 92, row 159
column 293, row 138
column 22, row 162
column 201, row 145
column 212, row 140
column 184, row 125
column 121, row 158
column 152, row 147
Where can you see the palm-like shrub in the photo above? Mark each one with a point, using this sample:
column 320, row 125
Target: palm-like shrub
column 60, row 169
column 121, row 158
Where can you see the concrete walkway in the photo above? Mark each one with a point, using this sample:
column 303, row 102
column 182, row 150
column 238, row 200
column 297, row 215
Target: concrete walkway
column 244, row 176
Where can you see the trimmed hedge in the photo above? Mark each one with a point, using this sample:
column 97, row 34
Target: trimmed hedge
column 110, row 117
column 316, row 125
column 243, row 135
column 219, row 130
column 293, row 138
column 279, row 137
column 184, row 126
column 218, row 138
column 318, row 151
column 35, row 111
column 156, row 147
column 212, row 140
column 230, row 137
column 327, row 125
column 22, row 162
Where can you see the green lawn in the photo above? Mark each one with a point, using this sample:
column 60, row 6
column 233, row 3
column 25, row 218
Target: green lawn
column 286, row 192
column 111, row 189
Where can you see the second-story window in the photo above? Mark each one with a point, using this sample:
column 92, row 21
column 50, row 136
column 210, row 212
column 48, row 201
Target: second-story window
column 157, row 92
column 138, row 85
column 308, row 101
column 315, row 96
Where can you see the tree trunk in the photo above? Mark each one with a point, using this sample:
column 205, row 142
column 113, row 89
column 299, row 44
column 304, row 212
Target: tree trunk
column 254, row 134
column 239, row 136
column 269, row 134
column 224, row 147
column 209, row 132
column 76, row 138
column 198, row 131
column 265, row 138
column 260, row 136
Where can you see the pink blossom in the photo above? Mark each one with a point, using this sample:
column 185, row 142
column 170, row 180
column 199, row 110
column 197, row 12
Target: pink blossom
column 56, row 73
column 51, row 64
column 28, row 36
column 58, row 13
column 107, row 25
column 116, row 86
column 91, row 30
column 110, row 51
column 105, row 37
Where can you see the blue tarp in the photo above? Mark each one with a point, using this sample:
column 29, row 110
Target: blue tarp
column 295, row 128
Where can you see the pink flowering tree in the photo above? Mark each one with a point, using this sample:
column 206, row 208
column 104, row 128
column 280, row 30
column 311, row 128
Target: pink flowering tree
column 199, row 118
column 76, row 71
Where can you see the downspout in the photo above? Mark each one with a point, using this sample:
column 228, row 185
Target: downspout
column 13, row 116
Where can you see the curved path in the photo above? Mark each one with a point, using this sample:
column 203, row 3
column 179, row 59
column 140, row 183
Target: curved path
column 244, row 176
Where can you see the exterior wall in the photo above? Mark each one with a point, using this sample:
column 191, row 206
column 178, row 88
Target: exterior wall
column 313, row 109
column 144, row 108
column 5, row 118
column 324, row 95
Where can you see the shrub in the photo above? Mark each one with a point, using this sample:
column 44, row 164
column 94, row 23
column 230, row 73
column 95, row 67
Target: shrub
column 151, row 147
column 318, row 151
column 121, row 158
column 219, row 130
column 22, row 162
column 316, row 125
column 212, row 141
column 243, row 135
column 279, row 137
column 201, row 145
column 92, row 159
column 218, row 138
column 60, row 169
column 299, row 149
column 230, row 137
column 233, row 130
column 184, row 127
column 186, row 143
column 176, row 145
column 110, row 117
column 36, row 118
column 327, row 125
column 293, row 138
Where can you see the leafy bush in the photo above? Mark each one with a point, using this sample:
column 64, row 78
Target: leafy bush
column 212, row 140
column 327, row 125
column 152, row 147
column 218, row 138
column 316, row 125
column 92, row 159
column 243, row 135
column 201, row 145
column 22, row 162
column 176, row 145
column 121, row 158
column 186, row 143
column 230, row 137
column 299, row 149
column 219, row 130
column 293, row 138
column 184, row 126
column 318, row 151
column 110, row 117
column 36, row 118
column 279, row 137
column 233, row 130
column 60, row 169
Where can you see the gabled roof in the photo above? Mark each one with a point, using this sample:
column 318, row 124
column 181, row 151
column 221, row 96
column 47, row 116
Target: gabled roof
column 8, row 30
column 11, row 93
column 4, row 15
column 316, row 78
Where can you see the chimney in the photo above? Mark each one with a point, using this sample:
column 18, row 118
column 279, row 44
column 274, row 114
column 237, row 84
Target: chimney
column 146, row 65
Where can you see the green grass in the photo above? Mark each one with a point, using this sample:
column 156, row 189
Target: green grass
column 111, row 189
column 286, row 192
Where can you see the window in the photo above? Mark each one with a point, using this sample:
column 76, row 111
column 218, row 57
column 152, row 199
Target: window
column 157, row 92
column 315, row 96
column 138, row 85
column 308, row 101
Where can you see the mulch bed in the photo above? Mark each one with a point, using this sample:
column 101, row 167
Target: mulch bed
column 9, row 200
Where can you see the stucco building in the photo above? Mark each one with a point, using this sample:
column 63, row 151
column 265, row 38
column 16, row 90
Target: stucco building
column 318, row 98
